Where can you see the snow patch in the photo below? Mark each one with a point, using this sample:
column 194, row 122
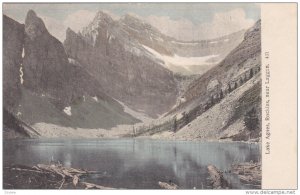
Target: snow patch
column 19, row 113
column 23, row 52
column 176, row 60
column 72, row 61
column 95, row 98
column 21, row 74
column 84, row 98
column 67, row 110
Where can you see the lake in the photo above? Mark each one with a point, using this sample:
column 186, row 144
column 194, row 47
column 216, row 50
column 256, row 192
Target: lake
column 136, row 163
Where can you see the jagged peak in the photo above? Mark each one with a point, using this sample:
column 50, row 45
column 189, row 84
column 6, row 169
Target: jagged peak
column 34, row 26
column 102, row 16
column 31, row 14
column 72, row 34
column 69, row 30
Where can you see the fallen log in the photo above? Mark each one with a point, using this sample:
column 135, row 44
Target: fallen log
column 167, row 186
column 95, row 186
column 42, row 176
column 249, row 173
column 217, row 178
column 36, row 171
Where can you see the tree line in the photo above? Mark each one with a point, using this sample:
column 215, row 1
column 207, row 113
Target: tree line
column 212, row 99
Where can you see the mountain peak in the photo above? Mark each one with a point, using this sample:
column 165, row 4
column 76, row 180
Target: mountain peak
column 101, row 16
column 69, row 30
column 34, row 26
column 101, row 19
column 31, row 14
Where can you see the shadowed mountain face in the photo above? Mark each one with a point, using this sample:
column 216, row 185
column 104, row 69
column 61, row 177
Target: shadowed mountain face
column 13, row 36
column 45, row 62
column 52, row 82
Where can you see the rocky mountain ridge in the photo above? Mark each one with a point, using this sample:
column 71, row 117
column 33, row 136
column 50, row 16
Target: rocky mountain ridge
column 120, row 67
column 193, row 57
column 136, row 63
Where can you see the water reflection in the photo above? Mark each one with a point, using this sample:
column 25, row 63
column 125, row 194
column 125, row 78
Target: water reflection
column 135, row 163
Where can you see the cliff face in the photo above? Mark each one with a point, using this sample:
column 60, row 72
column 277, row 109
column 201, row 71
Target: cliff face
column 45, row 62
column 48, row 71
column 13, row 40
column 118, row 64
column 54, row 89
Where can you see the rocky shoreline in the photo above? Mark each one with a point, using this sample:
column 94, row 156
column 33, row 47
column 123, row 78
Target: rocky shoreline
column 249, row 174
column 41, row 176
column 56, row 176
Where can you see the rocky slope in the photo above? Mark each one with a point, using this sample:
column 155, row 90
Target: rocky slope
column 225, row 102
column 226, row 120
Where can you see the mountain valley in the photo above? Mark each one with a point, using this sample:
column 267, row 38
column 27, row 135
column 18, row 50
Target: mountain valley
column 124, row 78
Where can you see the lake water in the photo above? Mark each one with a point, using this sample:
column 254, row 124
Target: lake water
column 136, row 163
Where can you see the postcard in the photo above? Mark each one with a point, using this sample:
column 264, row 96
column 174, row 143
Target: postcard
column 147, row 95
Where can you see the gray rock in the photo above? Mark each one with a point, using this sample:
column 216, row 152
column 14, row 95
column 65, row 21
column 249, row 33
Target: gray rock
column 114, row 60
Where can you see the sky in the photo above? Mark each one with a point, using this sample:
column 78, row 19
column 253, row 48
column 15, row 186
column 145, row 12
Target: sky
column 183, row 21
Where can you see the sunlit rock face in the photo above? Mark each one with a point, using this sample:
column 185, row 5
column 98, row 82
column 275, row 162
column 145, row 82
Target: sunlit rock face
column 122, row 66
